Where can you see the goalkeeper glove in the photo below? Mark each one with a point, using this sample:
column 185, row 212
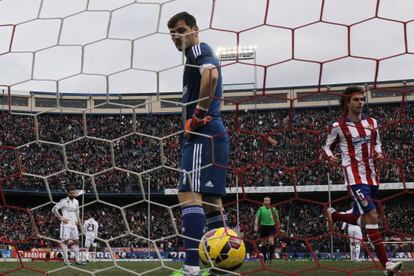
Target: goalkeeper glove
column 198, row 120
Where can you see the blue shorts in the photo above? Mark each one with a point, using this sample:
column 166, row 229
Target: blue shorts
column 363, row 198
column 197, row 153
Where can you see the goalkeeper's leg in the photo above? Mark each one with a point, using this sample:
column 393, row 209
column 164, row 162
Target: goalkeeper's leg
column 196, row 185
column 193, row 223
column 215, row 215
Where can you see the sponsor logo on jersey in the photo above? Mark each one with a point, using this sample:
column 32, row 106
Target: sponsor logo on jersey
column 359, row 139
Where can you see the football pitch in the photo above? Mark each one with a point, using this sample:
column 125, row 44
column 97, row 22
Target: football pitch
column 156, row 268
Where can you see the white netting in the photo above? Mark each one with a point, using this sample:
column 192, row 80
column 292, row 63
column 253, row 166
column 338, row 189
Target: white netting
column 109, row 47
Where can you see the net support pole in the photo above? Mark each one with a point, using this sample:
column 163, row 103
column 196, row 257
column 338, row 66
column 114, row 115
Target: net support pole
column 149, row 217
column 237, row 206
column 255, row 81
column 330, row 200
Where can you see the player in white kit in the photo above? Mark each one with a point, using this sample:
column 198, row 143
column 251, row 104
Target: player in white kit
column 90, row 228
column 355, row 238
column 69, row 218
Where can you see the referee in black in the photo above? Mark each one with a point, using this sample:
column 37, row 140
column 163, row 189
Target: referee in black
column 265, row 224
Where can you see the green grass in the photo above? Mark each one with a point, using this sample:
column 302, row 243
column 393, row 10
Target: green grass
column 300, row 267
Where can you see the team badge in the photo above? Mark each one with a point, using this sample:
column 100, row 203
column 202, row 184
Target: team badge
column 364, row 202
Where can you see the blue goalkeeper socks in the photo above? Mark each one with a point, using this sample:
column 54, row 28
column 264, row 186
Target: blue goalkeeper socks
column 216, row 220
column 194, row 222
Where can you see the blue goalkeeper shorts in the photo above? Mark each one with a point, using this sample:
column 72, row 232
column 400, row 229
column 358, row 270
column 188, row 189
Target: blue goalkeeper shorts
column 199, row 152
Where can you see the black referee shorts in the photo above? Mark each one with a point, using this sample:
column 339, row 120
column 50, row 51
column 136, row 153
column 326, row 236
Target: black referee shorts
column 267, row 230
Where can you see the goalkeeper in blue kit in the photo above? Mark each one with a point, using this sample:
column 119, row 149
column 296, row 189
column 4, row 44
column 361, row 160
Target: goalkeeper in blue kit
column 205, row 139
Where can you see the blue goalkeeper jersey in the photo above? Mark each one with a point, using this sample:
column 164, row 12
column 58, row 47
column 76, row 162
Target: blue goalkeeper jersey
column 197, row 56
column 200, row 55
column 199, row 151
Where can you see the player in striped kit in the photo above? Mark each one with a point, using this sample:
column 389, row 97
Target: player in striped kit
column 360, row 146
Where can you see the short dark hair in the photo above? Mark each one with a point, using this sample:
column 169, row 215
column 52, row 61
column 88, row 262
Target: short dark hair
column 71, row 188
column 188, row 19
column 346, row 95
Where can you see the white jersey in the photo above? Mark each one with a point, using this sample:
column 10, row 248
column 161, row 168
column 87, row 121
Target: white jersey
column 90, row 227
column 70, row 211
column 359, row 143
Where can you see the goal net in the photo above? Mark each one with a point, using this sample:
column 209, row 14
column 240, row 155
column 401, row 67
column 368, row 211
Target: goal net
column 90, row 95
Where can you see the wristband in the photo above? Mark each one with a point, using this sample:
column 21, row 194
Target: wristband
column 200, row 112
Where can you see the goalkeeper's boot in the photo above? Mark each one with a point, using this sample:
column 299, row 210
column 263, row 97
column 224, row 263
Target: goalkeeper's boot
column 178, row 273
column 184, row 272
column 391, row 268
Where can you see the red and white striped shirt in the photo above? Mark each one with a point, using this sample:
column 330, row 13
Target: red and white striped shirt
column 359, row 143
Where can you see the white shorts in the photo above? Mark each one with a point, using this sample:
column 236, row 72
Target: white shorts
column 354, row 233
column 90, row 241
column 68, row 233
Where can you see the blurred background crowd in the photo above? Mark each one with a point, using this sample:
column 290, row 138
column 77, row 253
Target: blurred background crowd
column 66, row 143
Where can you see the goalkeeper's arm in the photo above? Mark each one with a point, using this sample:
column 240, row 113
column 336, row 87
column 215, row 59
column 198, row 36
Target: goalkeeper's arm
column 208, row 84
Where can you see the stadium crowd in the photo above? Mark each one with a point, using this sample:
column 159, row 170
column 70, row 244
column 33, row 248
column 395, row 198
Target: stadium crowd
column 298, row 220
column 64, row 143
column 295, row 160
